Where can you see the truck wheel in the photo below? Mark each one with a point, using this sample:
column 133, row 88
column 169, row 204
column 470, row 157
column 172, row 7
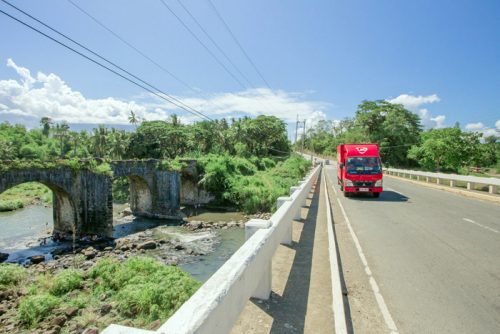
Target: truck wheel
column 376, row 195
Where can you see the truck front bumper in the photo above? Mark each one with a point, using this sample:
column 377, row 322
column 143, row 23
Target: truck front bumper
column 363, row 189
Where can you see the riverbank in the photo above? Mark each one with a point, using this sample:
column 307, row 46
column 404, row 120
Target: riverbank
column 170, row 246
column 23, row 195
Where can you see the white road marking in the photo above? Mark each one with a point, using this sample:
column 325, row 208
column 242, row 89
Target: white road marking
column 391, row 325
column 338, row 300
column 481, row 225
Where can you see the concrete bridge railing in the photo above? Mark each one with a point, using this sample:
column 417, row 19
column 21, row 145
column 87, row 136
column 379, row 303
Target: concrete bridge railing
column 216, row 306
column 450, row 179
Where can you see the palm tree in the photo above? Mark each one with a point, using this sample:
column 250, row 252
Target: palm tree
column 46, row 122
column 61, row 132
column 99, row 140
column 132, row 119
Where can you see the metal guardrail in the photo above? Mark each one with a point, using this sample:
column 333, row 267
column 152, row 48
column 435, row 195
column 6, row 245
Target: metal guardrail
column 492, row 182
column 217, row 304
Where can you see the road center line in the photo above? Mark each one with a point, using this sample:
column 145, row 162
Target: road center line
column 391, row 325
column 481, row 225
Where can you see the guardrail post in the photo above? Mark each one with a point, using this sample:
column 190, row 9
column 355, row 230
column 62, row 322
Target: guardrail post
column 263, row 290
column 292, row 190
column 470, row 186
column 438, row 180
column 426, row 179
column 452, row 183
column 418, row 177
column 492, row 189
column 287, row 238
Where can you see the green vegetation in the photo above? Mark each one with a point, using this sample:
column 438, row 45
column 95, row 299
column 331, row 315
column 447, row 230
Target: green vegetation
column 241, row 161
column 23, row 195
column 11, row 275
column 402, row 141
column 33, row 309
column 139, row 290
column 252, row 185
column 121, row 190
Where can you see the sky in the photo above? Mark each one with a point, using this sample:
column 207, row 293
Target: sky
column 309, row 59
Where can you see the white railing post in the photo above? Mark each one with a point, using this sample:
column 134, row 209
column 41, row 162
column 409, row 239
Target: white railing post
column 452, row 183
column 287, row 237
column 492, row 189
column 292, row 190
column 470, row 186
column 263, row 290
column 427, row 179
column 438, row 180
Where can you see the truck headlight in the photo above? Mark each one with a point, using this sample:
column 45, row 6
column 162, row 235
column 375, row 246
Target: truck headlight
column 378, row 183
column 348, row 183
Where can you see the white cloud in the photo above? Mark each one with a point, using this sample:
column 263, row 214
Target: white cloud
column 481, row 128
column 414, row 103
column 474, row 126
column 48, row 95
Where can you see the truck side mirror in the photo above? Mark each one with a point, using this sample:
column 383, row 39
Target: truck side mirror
column 341, row 166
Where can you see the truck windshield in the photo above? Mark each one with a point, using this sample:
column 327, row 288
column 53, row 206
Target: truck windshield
column 363, row 165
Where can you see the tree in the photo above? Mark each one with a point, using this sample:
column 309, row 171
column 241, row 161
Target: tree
column 446, row 149
column 61, row 132
column 99, row 141
column 392, row 126
column 46, row 123
column 133, row 119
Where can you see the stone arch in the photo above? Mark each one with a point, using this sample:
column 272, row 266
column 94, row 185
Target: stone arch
column 141, row 198
column 63, row 206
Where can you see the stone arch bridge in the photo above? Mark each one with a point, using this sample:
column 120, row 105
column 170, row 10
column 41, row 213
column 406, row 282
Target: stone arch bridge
column 83, row 200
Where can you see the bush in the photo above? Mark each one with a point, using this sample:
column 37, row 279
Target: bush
column 10, row 205
column 66, row 281
column 144, row 287
column 11, row 274
column 33, row 309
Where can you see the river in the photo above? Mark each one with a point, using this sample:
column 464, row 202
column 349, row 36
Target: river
column 21, row 231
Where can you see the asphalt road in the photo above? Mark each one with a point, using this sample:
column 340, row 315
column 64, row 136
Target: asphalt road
column 434, row 255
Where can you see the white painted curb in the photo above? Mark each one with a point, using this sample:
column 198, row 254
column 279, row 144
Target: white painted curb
column 339, row 314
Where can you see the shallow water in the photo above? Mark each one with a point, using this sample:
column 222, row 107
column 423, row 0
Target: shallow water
column 21, row 230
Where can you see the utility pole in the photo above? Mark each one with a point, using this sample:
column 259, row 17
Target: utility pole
column 296, row 129
column 303, row 136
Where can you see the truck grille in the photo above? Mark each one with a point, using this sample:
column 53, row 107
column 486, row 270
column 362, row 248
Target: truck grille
column 364, row 184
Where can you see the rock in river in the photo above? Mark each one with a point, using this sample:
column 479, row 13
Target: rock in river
column 147, row 245
column 37, row 259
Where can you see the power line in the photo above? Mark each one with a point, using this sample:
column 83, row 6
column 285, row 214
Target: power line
column 169, row 98
column 203, row 44
column 238, row 43
column 132, row 46
column 106, row 60
column 215, row 43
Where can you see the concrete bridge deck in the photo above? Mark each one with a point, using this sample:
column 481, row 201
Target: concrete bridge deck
column 301, row 297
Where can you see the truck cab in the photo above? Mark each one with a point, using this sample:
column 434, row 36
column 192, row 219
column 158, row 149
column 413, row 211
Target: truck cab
column 359, row 169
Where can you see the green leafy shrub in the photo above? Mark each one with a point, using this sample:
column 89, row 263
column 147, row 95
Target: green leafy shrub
column 33, row 309
column 144, row 287
column 10, row 205
column 66, row 281
column 121, row 190
column 11, row 274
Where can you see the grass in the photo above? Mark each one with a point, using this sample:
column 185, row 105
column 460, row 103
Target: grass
column 23, row 195
column 253, row 185
column 11, row 275
column 139, row 291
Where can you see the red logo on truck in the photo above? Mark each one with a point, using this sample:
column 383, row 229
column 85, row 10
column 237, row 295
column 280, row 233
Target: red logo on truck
column 362, row 150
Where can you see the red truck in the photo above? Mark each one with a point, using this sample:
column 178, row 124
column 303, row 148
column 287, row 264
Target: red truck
column 359, row 169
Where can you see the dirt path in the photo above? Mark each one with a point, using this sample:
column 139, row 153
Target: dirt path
column 301, row 300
